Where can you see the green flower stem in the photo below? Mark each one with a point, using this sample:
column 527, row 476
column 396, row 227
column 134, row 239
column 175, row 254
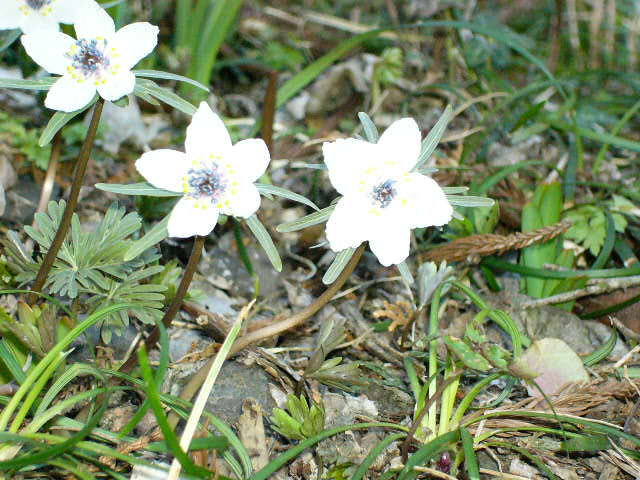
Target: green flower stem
column 187, row 277
column 72, row 202
column 272, row 330
column 433, row 359
column 404, row 449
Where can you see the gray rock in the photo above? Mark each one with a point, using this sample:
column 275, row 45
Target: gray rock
column 224, row 269
column 551, row 322
column 235, row 383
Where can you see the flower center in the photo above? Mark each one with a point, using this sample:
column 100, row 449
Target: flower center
column 207, row 181
column 383, row 193
column 88, row 57
column 38, row 4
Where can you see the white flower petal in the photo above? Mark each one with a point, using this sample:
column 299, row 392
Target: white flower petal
column 69, row 95
column 132, row 43
column 116, row 86
column 36, row 22
column 66, row 11
column 93, row 23
column 207, row 134
column 349, row 224
column 192, row 217
column 241, row 200
column 164, row 168
column 48, row 50
column 390, row 243
column 249, row 158
column 401, row 145
column 349, row 161
column 422, row 201
column 10, row 16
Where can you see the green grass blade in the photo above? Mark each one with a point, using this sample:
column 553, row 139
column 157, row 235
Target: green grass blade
column 8, row 37
column 628, row 115
column 168, row 76
column 503, row 265
column 59, row 120
column 11, row 362
column 69, row 374
column 149, row 87
column 306, row 221
column 265, row 188
column 432, row 139
column 42, row 365
column 609, row 242
column 60, row 448
column 156, row 404
column 602, row 137
column 281, row 460
column 529, row 456
column 603, row 352
column 338, row 264
column 157, row 234
column 142, row 188
column 184, row 23
column 470, row 458
column 403, row 268
column 40, row 84
column 207, row 386
column 470, row 201
column 370, row 130
column 215, row 29
column 373, row 454
column 421, row 456
column 263, row 237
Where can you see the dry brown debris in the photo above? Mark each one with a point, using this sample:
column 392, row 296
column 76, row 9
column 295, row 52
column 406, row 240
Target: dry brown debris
column 474, row 247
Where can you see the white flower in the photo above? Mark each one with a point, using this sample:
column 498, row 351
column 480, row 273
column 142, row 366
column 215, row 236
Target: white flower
column 382, row 199
column 32, row 16
column 99, row 60
column 214, row 175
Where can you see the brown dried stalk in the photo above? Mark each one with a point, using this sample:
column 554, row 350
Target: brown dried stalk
column 476, row 246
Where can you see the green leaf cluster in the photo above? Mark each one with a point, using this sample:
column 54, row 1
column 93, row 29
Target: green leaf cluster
column 543, row 210
column 23, row 139
column 90, row 264
column 300, row 421
column 589, row 222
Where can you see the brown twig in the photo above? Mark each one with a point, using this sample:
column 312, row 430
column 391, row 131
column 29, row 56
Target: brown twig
column 187, row 277
column 602, row 286
column 556, row 30
column 476, row 246
column 72, row 202
column 272, row 330
column 269, row 110
column 47, row 185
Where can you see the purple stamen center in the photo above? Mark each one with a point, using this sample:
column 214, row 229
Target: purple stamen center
column 384, row 193
column 37, row 4
column 207, row 182
column 90, row 58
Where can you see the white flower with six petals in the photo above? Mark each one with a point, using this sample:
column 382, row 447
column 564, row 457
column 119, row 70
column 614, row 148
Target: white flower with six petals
column 32, row 16
column 100, row 60
column 383, row 200
column 214, row 176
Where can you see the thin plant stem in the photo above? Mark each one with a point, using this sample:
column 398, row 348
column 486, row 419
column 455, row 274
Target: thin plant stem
column 404, row 450
column 269, row 109
column 187, row 277
column 433, row 359
column 72, row 202
column 272, row 330
column 47, row 185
